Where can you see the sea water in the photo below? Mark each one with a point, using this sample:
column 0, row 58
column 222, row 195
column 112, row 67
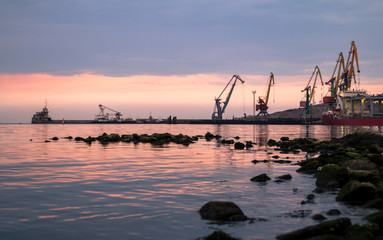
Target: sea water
column 71, row 190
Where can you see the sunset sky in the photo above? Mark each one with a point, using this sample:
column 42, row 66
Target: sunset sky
column 170, row 57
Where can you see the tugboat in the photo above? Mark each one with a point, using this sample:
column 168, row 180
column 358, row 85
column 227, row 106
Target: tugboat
column 42, row 117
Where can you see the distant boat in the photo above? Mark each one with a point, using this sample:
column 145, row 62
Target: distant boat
column 42, row 117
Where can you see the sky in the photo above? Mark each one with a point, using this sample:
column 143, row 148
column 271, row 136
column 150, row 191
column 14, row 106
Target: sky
column 172, row 58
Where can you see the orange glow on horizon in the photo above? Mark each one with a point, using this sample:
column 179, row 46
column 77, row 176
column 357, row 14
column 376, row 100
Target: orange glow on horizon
column 186, row 96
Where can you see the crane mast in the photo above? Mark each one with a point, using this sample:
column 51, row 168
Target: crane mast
column 219, row 107
column 262, row 102
column 310, row 90
column 349, row 73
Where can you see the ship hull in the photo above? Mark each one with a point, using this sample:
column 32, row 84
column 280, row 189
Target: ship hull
column 327, row 119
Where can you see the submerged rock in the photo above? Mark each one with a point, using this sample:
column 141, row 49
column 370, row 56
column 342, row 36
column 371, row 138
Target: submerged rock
column 319, row 217
column 222, row 211
column 261, row 178
column 219, row 235
column 333, row 212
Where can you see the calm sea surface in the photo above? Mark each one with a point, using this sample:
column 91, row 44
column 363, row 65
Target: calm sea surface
column 71, row 190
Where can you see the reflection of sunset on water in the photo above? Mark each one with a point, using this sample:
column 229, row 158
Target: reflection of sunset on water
column 64, row 184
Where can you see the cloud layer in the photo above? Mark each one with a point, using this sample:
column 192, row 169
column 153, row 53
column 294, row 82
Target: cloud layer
column 121, row 38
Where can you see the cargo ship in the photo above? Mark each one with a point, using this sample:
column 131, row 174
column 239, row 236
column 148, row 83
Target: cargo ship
column 355, row 108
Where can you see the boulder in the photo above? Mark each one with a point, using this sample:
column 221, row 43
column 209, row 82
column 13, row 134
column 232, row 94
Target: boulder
column 357, row 232
column 209, row 136
column 239, row 145
column 261, row 178
column 222, row 211
column 328, row 176
column 333, row 227
column 355, row 191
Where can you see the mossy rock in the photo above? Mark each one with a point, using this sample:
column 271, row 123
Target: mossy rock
column 357, row 192
column 357, row 232
column 335, row 227
column 309, row 166
column 328, row 176
column 377, row 218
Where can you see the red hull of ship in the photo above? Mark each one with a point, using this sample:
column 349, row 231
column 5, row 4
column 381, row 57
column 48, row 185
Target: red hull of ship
column 353, row 121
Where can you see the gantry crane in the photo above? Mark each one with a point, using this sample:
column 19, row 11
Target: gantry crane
column 219, row 109
column 105, row 117
column 335, row 80
column 310, row 90
column 262, row 102
column 349, row 73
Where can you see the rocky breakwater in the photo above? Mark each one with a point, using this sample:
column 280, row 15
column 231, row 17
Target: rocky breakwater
column 352, row 166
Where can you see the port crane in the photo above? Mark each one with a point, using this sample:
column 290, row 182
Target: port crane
column 335, row 80
column 105, row 117
column 219, row 107
column 262, row 102
column 349, row 73
column 310, row 90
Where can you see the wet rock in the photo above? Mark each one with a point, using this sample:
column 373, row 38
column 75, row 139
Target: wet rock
column 284, row 139
column 219, row 235
column 356, row 192
column 309, row 199
column 318, row 217
column 282, row 161
column 285, row 177
column 209, row 136
column 271, row 143
column 224, row 141
column 376, row 218
column 249, row 144
column 298, row 214
column 328, row 176
column 239, row 145
column 333, row 212
column 357, row 232
column 335, row 227
column 261, row 178
column 222, row 211
column 309, row 166
column 360, row 170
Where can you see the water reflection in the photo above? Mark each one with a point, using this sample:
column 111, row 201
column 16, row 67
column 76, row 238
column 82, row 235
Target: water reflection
column 115, row 191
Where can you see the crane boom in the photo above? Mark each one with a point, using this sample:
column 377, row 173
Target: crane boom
column 271, row 81
column 262, row 103
column 310, row 90
column 218, row 109
column 349, row 72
